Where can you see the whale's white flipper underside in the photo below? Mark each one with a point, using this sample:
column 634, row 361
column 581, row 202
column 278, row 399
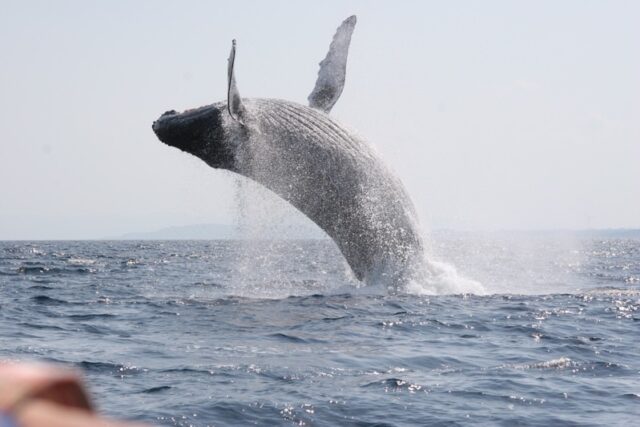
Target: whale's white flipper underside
column 234, row 102
column 333, row 69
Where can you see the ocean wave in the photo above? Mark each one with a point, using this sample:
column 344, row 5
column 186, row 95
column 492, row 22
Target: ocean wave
column 157, row 389
column 47, row 300
column 395, row 385
column 81, row 261
column 84, row 317
column 42, row 326
column 109, row 368
column 8, row 273
column 559, row 363
column 45, row 270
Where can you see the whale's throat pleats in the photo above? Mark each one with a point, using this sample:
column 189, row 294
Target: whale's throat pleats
column 334, row 178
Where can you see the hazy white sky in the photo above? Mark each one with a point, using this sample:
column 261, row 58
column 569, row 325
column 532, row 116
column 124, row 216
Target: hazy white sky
column 495, row 114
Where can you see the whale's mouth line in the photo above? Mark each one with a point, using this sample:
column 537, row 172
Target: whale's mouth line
column 172, row 117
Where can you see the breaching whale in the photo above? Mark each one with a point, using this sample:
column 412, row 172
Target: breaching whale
column 306, row 157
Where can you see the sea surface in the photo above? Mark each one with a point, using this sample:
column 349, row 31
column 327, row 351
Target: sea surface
column 272, row 333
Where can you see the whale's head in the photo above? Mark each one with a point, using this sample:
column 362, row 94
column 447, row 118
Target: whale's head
column 199, row 132
column 207, row 132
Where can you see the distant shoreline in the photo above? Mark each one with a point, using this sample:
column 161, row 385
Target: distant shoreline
column 212, row 232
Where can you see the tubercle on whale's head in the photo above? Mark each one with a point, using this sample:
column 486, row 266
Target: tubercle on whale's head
column 200, row 132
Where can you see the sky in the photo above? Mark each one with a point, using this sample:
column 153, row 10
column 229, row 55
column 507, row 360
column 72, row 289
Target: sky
column 496, row 115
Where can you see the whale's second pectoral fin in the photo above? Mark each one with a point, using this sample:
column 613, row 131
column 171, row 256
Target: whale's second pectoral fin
column 333, row 69
column 234, row 102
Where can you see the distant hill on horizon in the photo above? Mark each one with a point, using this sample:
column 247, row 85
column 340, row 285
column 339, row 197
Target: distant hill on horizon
column 288, row 232
column 225, row 232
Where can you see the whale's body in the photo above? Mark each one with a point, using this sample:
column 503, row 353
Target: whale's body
column 306, row 157
column 335, row 179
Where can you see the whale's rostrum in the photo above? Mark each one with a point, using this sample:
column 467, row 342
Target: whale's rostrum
column 306, row 157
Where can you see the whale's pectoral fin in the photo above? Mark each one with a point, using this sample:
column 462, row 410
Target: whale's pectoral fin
column 333, row 69
column 234, row 102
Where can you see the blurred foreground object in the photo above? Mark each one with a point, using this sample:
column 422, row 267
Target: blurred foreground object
column 40, row 395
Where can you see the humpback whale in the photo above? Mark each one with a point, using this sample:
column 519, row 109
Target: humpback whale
column 306, row 157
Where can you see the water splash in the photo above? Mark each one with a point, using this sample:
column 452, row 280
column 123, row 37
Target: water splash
column 266, row 223
column 442, row 278
column 276, row 256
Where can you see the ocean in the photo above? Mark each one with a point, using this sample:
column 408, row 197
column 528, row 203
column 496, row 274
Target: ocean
column 218, row 333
